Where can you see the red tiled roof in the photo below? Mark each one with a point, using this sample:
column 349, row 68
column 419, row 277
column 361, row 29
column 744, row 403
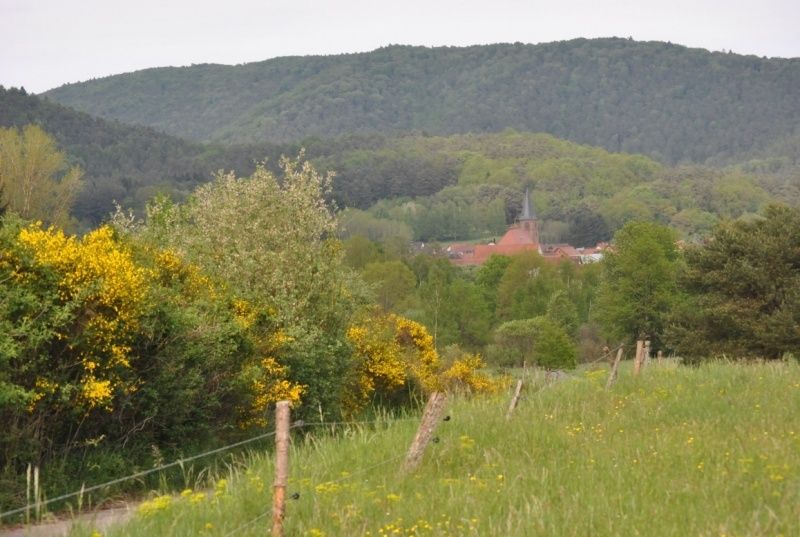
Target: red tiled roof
column 516, row 236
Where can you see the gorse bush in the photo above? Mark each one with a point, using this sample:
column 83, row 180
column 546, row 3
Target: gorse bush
column 106, row 342
column 392, row 352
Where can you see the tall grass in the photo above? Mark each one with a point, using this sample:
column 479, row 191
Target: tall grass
column 708, row 451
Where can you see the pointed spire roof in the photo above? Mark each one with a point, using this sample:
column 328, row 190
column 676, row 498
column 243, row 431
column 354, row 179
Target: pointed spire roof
column 527, row 208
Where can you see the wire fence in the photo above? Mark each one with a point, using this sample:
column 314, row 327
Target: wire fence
column 388, row 421
column 180, row 462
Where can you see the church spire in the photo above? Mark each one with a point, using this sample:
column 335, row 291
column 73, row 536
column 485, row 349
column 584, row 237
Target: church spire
column 527, row 208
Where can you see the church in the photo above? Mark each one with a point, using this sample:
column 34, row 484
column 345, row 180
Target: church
column 523, row 236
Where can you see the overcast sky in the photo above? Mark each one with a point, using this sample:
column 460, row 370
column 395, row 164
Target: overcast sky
column 46, row 43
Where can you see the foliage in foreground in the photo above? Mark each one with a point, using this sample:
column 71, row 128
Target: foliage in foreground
column 711, row 450
column 107, row 344
column 270, row 239
column 182, row 331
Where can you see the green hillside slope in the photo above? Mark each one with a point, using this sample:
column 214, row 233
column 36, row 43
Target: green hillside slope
column 124, row 163
column 670, row 102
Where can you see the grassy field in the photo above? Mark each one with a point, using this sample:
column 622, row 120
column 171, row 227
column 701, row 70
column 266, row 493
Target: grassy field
column 706, row 451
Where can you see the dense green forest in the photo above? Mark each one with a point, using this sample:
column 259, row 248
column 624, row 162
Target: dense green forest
column 673, row 103
column 425, row 187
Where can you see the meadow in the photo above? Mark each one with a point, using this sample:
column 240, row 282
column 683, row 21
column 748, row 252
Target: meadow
column 712, row 450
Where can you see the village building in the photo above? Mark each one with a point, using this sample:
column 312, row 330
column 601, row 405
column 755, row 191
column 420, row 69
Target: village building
column 523, row 236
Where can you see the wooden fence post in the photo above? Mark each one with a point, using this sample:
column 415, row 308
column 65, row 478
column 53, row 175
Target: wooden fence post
column 660, row 357
column 646, row 354
column 514, row 399
column 637, row 360
column 431, row 417
column 281, row 467
column 612, row 376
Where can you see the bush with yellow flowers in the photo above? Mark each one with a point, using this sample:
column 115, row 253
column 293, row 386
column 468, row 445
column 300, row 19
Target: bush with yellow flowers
column 392, row 352
column 97, row 276
column 107, row 342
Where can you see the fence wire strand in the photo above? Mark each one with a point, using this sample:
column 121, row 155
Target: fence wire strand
column 136, row 475
column 363, row 470
column 246, row 525
column 143, row 473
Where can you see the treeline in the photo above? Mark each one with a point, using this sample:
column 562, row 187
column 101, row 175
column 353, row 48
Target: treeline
column 673, row 103
column 735, row 294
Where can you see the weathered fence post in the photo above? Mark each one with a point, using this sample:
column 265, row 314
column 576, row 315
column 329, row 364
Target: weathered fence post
column 281, row 467
column 660, row 357
column 637, row 360
column 514, row 399
column 612, row 376
column 431, row 417
column 37, row 496
column 646, row 355
column 28, row 495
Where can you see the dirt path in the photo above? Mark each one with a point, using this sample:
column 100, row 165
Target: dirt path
column 99, row 520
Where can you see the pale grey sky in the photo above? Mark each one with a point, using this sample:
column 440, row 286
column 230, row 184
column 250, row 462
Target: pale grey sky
column 46, row 43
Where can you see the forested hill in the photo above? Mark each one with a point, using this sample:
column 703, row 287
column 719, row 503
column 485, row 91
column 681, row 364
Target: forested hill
column 667, row 101
column 454, row 180
column 124, row 163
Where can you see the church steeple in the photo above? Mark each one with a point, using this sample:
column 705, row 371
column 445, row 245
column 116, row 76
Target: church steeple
column 527, row 208
column 527, row 221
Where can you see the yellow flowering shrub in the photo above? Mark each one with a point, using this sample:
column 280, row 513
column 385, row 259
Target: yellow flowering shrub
column 170, row 269
column 465, row 373
column 425, row 362
column 391, row 350
column 98, row 273
column 269, row 385
column 244, row 313
column 266, row 377
column 381, row 364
